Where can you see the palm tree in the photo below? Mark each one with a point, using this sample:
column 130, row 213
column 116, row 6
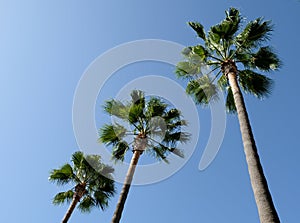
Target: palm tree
column 154, row 128
column 236, row 55
column 92, row 180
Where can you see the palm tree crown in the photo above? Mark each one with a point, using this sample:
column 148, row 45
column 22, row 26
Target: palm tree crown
column 153, row 127
column 229, row 46
column 91, row 178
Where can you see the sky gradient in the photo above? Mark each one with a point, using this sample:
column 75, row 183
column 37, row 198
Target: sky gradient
column 45, row 49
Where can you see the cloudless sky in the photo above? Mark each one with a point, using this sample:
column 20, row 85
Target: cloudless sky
column 45, row 46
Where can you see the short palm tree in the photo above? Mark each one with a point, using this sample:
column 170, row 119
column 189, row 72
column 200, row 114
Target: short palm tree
column 154, row 128
column 236, row 55
column 92, row 180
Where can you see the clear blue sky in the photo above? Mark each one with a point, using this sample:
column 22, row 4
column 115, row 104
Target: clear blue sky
column 45, row 46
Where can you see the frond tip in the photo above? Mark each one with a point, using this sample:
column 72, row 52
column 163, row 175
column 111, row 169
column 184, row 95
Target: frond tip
column 254, row 83
column 198, row 29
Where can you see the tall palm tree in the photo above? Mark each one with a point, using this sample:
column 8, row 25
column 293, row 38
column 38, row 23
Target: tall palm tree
column 155, row 128
column 236, row 55
column 92, row 180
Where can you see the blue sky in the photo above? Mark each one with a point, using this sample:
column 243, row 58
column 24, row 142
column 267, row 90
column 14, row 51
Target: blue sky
column 45, row 49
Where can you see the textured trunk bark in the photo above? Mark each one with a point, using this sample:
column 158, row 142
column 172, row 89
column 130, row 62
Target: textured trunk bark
column 121, row 202
column 71, row 209
column 266, row 209
column 79, row 192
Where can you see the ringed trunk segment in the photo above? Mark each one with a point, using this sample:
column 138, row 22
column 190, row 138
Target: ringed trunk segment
column 266, row 209
column 79, row 192
column 138, row 148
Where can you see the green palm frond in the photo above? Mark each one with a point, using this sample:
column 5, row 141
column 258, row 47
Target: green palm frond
column 199, row 29
column 112, row 134
column 178, row 136
column 101, row 199
column 228, row 27
column 201, row 54
column 177, row 125
column 136, row 112
column 116, row 108
column 255, row 33
column 119, row 150
column 77, row 159
column 187, row 69
column 173, row 115
column 230, row 105
column 106, row 171
column 138, row 97
column 202, row 90
column 62, row 176
column 223, row 82
column 221, row 36
column 254, row 83
column 86, row 204
column 63, row 197
column 159, row 152
column 196, row 57
column 265, row 59
column 155, row 107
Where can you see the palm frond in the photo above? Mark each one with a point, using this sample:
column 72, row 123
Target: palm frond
column 178, row 136
column 201, row 54
column 116, row 108
column 199, row 29
column 177, row 152
column 221, row 35
column 187, row 69
column 155, row 107
column 196, row 58
column 135, row 114
column 77, row 159
column 254, row 83
column 172, row 115
column 177, row 125
column 137, row 106
column 230, row 105
column 86, row 204
column 138, row 97
column 119, row 150
column 159, row 153
column 255, row 33
column 63, row 197
column 112, row 134
column 223, row 82
column 228, row 27
column 202, row 90
column 101, row 199
column 63, row 175
column 265, row 59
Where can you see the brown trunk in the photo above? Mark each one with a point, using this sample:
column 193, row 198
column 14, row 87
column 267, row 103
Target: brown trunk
column 266, row 209
column 121, row 202
column 139, row 146
column 79, row 192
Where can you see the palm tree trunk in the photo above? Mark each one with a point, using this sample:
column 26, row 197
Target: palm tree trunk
column 266, row 209
column 75, row 200
column 79, row 192
column 123, row 196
